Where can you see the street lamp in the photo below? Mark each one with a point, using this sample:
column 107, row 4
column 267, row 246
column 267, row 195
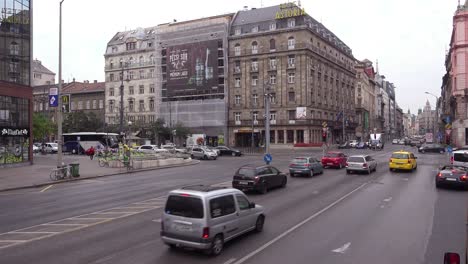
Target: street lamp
column 129, row 130
column 59, row 110
column 436, row 118
column 268, row 94
column 122, row 98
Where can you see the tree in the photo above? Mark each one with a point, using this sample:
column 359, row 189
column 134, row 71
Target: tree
column 42, row 127
column 159, row 130
column 82, row 122
column 181, row 130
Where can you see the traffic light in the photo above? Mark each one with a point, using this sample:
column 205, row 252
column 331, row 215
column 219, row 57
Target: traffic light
column 66, row 103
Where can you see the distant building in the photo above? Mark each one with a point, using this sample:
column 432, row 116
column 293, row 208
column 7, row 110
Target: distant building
column 426, row 119
column 41, row 75
column 86, row 96
column 365, row 99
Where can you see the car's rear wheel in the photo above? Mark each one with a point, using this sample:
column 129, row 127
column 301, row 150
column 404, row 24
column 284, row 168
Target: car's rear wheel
column 348, row 172
column 423, row 151
column 292, row 174
column 259, row 224
column 369, row 171
column 263, row 190
column 216, row 246
column 205, row 157
column 284, row 182
column 311, row 173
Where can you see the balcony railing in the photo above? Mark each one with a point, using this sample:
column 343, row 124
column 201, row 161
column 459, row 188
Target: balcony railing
column 130, row 66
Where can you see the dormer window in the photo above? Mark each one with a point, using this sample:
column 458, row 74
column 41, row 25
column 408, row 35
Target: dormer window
column 255, row 29
column 272, row 26
column 291, row 22
column 237, row 31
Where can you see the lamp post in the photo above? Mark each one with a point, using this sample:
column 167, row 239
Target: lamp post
column 436, row 118
column 122, row 99
column 268, row 95
column 59, row 110
column 129, row 130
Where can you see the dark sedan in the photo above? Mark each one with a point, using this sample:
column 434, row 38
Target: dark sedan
column 258, row 178
column 435, row 148
column 344, row 145
column 452, row 175
column 228, row 151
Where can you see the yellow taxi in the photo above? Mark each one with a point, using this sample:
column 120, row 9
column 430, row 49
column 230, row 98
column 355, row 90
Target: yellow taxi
column 402, row 160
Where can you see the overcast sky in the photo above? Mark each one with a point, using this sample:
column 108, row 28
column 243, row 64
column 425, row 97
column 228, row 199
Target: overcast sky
column 407, row 37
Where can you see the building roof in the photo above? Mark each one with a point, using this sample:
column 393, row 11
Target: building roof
column 38, row 67
column 139, row 33
column 83, row 87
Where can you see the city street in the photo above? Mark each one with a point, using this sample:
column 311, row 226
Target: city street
column 384, row 217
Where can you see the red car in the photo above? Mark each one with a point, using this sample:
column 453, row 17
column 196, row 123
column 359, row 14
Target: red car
column 334, row 159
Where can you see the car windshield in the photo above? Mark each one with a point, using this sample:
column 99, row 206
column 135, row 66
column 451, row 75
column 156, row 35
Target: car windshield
column 186, row 206
column 332, row 155
column 355, row 159
column 247, row 172
column 399, row 156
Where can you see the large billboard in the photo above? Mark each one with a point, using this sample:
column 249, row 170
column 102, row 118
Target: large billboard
column 192, row 67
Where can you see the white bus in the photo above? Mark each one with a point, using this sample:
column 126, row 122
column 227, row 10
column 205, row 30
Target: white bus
column 81, row 141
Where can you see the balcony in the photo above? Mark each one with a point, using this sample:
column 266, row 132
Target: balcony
column 254, row 69
column 291, row 65
column 238, row 123
column 237, row 70
column 272, row 68
column 130, row 66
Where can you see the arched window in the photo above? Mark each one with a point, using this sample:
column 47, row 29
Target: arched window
column 151, row 58
column 272, row 44
column 237, row 49
column 291, row 43
column 254, row 47
column 121, row 63
column 111, row 64
column 130, row 61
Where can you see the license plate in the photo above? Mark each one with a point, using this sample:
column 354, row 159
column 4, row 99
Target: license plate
column 183, row 228
column 450, row 179
column 243, row 183
column 298, row 171
column 329, row 163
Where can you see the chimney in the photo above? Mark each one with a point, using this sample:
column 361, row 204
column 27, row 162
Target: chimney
column 95, row 81
column 73, row 79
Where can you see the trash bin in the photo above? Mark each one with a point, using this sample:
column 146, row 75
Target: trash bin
column 75, row 169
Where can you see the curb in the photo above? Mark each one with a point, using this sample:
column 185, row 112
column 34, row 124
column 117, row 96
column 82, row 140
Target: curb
column 194, row 162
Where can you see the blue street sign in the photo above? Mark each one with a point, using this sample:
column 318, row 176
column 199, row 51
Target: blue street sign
column 449, row 149
column 53, row 100
column 267, row 158
column 447, row 120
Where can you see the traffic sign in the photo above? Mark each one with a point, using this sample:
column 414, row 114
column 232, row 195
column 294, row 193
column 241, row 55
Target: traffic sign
column 53, row 91
column 66, row 103
column 324, row 124
column 448, row 131
column 448, row 126
column 268, row 158
column 449, row 149
column 53, row 100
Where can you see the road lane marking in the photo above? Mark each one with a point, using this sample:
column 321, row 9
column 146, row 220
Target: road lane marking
column 157, row 220
column 342, row 249
column 290, row 230
column 34, row 232
column 229, row 261
column 46, row 188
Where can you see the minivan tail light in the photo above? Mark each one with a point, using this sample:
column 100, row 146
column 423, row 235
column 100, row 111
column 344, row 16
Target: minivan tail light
column 364, row 165
column 292, row 165
column 206, row 232
column 307, row 164
column 439, row 175
column 451, row 159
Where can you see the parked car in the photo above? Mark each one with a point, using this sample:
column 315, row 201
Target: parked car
column 414, row 142
column 205, row 217
column 258, row 178
column 401, row 142
column 36, row 149
column 228, row 151
column 203, row 153
column 395, row 141
column 353, row 143
column 345, row 145
column 361, row 145
column 452, row 175
column 436, row 148
column 151, row 149
column 460, row 158
column 361, row 163
column 218, row 152
column 305, row 165
column 51, row 147
column 334, row 159
column 403, row 160
column 72, row 147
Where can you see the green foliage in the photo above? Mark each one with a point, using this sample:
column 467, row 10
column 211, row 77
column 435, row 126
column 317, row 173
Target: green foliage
column 82, row 122
column 42, row 126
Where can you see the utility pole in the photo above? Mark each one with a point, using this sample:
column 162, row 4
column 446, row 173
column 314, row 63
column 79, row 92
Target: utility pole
column 59, row 110
column 121, row 101
column 343, row 117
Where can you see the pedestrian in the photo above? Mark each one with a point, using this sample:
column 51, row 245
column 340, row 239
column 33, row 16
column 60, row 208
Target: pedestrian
column 90, row 152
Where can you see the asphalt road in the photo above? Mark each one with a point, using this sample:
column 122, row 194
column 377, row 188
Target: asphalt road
column 385, row 217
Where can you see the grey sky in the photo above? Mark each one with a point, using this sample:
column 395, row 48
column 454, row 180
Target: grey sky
column 408, row 37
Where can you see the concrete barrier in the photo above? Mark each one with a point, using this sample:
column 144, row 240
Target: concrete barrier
column 150, row 163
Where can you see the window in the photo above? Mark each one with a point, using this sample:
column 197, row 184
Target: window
column 291, row 22
column 291, row 61
column 254, row 47
column 131, row 105
column 272, row 45
column 273, row 98
column 151, row 59
column 88, row 104
column 141, row 119
column 291, row 114
column 291, row 43
column 237, row 31
column 255, row 29
column 184, row 206
column 237, row 100
column 273, row 79
column 254, row 65
column 131, row 90
column 130, row 61
column 14, row 48
column 141, row 74
column 255, row 99
column 141, row 61
column 94, row 104
column 120, row 76
column 80, row 105
column 151, row 104
column 131, row 75
column 273, row 116
column 150, row 44
column 254, row 80
column 291, row 77
column 237, row 67
column 141, row 106
column 237, row 82
column 142, row 89
column 237, row 116
column 255, row 116
column 273, row 63
column 151, row 118
column 237, row 49
column 243, row 203
column 151, row 73
column 131, row 45
column 101, row 104
column 272, row 26
column 115, row 49
column 291, row 96
column 151, row 88
column 222, row 206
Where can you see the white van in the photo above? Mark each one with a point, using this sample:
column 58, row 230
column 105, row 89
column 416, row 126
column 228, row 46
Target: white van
column 460, row 158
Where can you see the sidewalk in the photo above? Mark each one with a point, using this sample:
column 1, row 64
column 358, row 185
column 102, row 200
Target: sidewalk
column 38, row 174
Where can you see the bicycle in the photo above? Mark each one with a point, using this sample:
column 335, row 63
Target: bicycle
column 60, row 173
column 104, row 160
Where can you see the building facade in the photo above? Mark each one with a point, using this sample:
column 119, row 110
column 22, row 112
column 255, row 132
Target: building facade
column 426, row 120
column 283, row 55
column 130, row 63
column 15, row 83
column 193, row 57
column 365, row 99
column 41, row 75
column 88, row 97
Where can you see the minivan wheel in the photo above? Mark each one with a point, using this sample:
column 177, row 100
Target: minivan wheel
column 217, row 246
column 259, row 224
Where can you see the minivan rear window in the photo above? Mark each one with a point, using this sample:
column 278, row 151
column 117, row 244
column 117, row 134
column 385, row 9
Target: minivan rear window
column 399, row 156
column 356, row 159
column 186, row 206
column 300, row 160
column 461, row 157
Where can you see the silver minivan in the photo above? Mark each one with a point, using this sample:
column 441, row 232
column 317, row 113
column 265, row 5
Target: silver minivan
column 361, row 163
column 205, row 217
column 460, row 158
